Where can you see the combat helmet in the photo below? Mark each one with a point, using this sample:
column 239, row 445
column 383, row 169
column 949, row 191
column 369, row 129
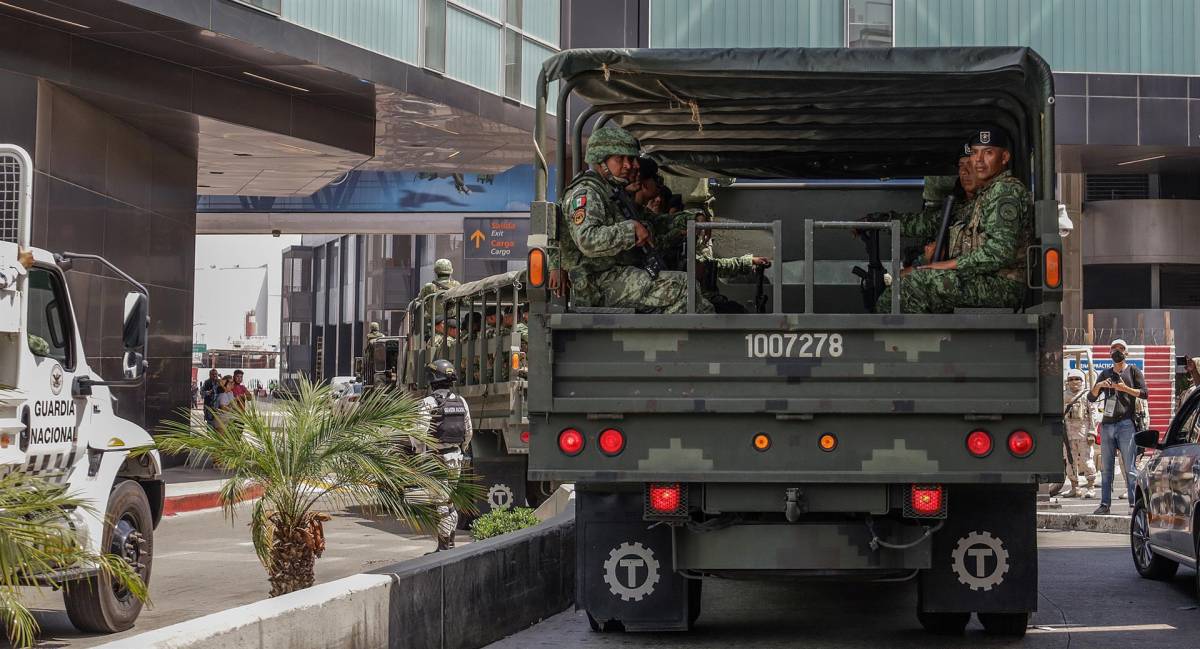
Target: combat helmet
column 610, row 140
column 443, row 268
column 441, row 373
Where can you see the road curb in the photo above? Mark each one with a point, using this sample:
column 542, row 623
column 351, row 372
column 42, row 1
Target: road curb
column 205, row 500
column 1107, row 524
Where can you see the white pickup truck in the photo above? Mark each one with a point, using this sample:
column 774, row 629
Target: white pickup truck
column 57, row 418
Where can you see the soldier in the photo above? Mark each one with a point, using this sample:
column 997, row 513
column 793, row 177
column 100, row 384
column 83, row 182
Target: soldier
column 1080, row 429
column 985, row 266
column 442, row 338
column 373, row 333
column 443, row 269
column 609, row 258
column 707, row 261
column 451, row 429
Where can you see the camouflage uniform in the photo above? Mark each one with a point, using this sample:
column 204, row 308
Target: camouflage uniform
column 443, row 269
column 599, row 255
column 1080, row 424
column 990, row 248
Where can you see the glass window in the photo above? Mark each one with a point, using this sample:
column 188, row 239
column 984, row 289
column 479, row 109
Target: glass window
column 1116, row 286
column 513, row 44
column 1188, row 429
column 435, row 35
column 50, row 330
column 868, row 23
column 1179, row 286
column 269, row 6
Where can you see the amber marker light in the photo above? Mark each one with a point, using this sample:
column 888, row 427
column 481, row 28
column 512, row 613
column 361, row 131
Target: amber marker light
column 537, row 267
column 827, row 442
column 762, row 442
column 1053, row 266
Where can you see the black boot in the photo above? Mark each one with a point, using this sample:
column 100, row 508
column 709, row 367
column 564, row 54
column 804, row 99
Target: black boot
column 444, row 543
column 450, row 541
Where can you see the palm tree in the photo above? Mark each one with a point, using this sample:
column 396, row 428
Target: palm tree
column 35, row 539
column 312, row 458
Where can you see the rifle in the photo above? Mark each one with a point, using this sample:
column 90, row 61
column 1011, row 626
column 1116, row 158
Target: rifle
column 871, row 280
column 652, row 262
column 939, row 249
column 760, row 295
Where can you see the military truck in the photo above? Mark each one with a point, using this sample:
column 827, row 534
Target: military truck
column 818, row 439
column 58, row 419
column 491, row 376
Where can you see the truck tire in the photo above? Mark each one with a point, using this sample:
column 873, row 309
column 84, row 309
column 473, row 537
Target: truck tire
column 1148, row 564
column 1012, row 625
column 93, row 604
column 944, row 623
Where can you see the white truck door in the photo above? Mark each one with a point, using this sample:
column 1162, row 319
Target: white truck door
column 55, row 416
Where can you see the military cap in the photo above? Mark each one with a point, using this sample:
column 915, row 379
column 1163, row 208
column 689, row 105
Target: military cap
column 647, row 168
column 439, row 320
column 491, row 310
column 610, row 140
column 965, row 152
column 451, row 323
column 990, row 137
column 443, row 267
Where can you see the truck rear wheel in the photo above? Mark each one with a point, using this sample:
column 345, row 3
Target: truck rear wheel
column 944, row 623
column 1008, row 624
column 95, row 604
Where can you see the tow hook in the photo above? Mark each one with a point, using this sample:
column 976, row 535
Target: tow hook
column 795, row 504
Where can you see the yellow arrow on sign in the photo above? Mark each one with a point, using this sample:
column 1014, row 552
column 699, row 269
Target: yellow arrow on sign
column 477, row 237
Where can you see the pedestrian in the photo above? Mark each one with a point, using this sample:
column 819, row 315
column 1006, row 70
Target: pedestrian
column 451, row 430
column 1080, row 425
column 210, row 393
column 240, row 394
column 1121, row 386
column 225, row 401
column 1192, row 367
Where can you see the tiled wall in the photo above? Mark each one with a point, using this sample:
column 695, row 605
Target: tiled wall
column 105, row 187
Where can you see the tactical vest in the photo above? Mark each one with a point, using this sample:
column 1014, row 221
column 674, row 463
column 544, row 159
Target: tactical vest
column 448, row 422
column 1075, row 410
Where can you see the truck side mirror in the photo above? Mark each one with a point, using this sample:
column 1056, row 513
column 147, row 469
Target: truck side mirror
column 134, row 333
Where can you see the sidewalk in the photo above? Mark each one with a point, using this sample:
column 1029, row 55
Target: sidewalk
column 1075, row 514
column 192, row 489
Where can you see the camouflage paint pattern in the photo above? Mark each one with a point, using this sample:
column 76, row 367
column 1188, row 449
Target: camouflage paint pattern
column 436, row 286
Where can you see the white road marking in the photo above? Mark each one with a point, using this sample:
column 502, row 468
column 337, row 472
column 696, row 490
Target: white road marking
column 1117, row 628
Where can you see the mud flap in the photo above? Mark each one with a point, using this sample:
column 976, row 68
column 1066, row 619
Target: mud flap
column 503, row 481
column 985, row 557
column 625, row 567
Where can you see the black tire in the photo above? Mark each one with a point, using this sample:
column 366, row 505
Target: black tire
column 1012, row 625
column 1196, row 578
column 944, row 623
column 608, row 626
column 93, row 605
column 1148, row 564
column 695, row 591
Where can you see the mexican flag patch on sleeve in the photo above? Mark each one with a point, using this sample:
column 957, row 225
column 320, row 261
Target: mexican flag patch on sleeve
column 579, row 201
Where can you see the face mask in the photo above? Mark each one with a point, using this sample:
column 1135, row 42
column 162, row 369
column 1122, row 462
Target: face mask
column 1118, row 356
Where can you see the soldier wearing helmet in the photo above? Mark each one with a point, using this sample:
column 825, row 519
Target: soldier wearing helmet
column 451, row 431
column 602, row 252
column 443, row 269
column 1079, row 420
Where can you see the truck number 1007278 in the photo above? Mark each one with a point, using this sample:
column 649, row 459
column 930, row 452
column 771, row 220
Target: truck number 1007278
column 816, row 345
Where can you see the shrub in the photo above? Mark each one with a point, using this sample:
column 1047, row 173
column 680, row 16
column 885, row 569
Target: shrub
column 502, row 521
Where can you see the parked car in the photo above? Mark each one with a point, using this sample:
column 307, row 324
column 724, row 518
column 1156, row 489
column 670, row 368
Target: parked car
column 1163, row 530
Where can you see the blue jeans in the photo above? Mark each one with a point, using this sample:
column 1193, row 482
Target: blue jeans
column 1113, row 437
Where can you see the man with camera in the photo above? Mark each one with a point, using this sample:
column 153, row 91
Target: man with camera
column 1121, row 386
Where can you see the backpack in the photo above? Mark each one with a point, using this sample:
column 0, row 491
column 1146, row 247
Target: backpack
column 448, row 421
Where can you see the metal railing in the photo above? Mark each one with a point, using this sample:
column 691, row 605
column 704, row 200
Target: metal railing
column 776, row 269
column 811, row 226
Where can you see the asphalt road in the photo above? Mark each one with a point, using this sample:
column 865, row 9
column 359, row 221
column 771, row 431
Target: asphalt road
column 204, row 564
column 1090, row 597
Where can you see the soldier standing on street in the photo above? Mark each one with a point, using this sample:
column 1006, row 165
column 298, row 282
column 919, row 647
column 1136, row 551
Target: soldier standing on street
column 444, row 282
column 451, row 430
column 985, row 266
column 605, row 253
column 1080, row 425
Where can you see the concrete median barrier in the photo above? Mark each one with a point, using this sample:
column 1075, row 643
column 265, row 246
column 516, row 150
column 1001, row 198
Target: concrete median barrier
column 462, row 599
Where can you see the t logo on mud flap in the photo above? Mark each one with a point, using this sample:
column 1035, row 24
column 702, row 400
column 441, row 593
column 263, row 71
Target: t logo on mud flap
column 980, row 561
column 500, row 497
column 631, row 571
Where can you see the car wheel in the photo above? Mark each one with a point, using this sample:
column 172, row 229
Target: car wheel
column 1148, row 564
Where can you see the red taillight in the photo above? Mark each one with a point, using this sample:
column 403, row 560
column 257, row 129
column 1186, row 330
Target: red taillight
column 612, row 441
column 1020, row 443
column 664, row 498
column 524, row 437
column 979, row 443
column 926, row 500
column 570, row 441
